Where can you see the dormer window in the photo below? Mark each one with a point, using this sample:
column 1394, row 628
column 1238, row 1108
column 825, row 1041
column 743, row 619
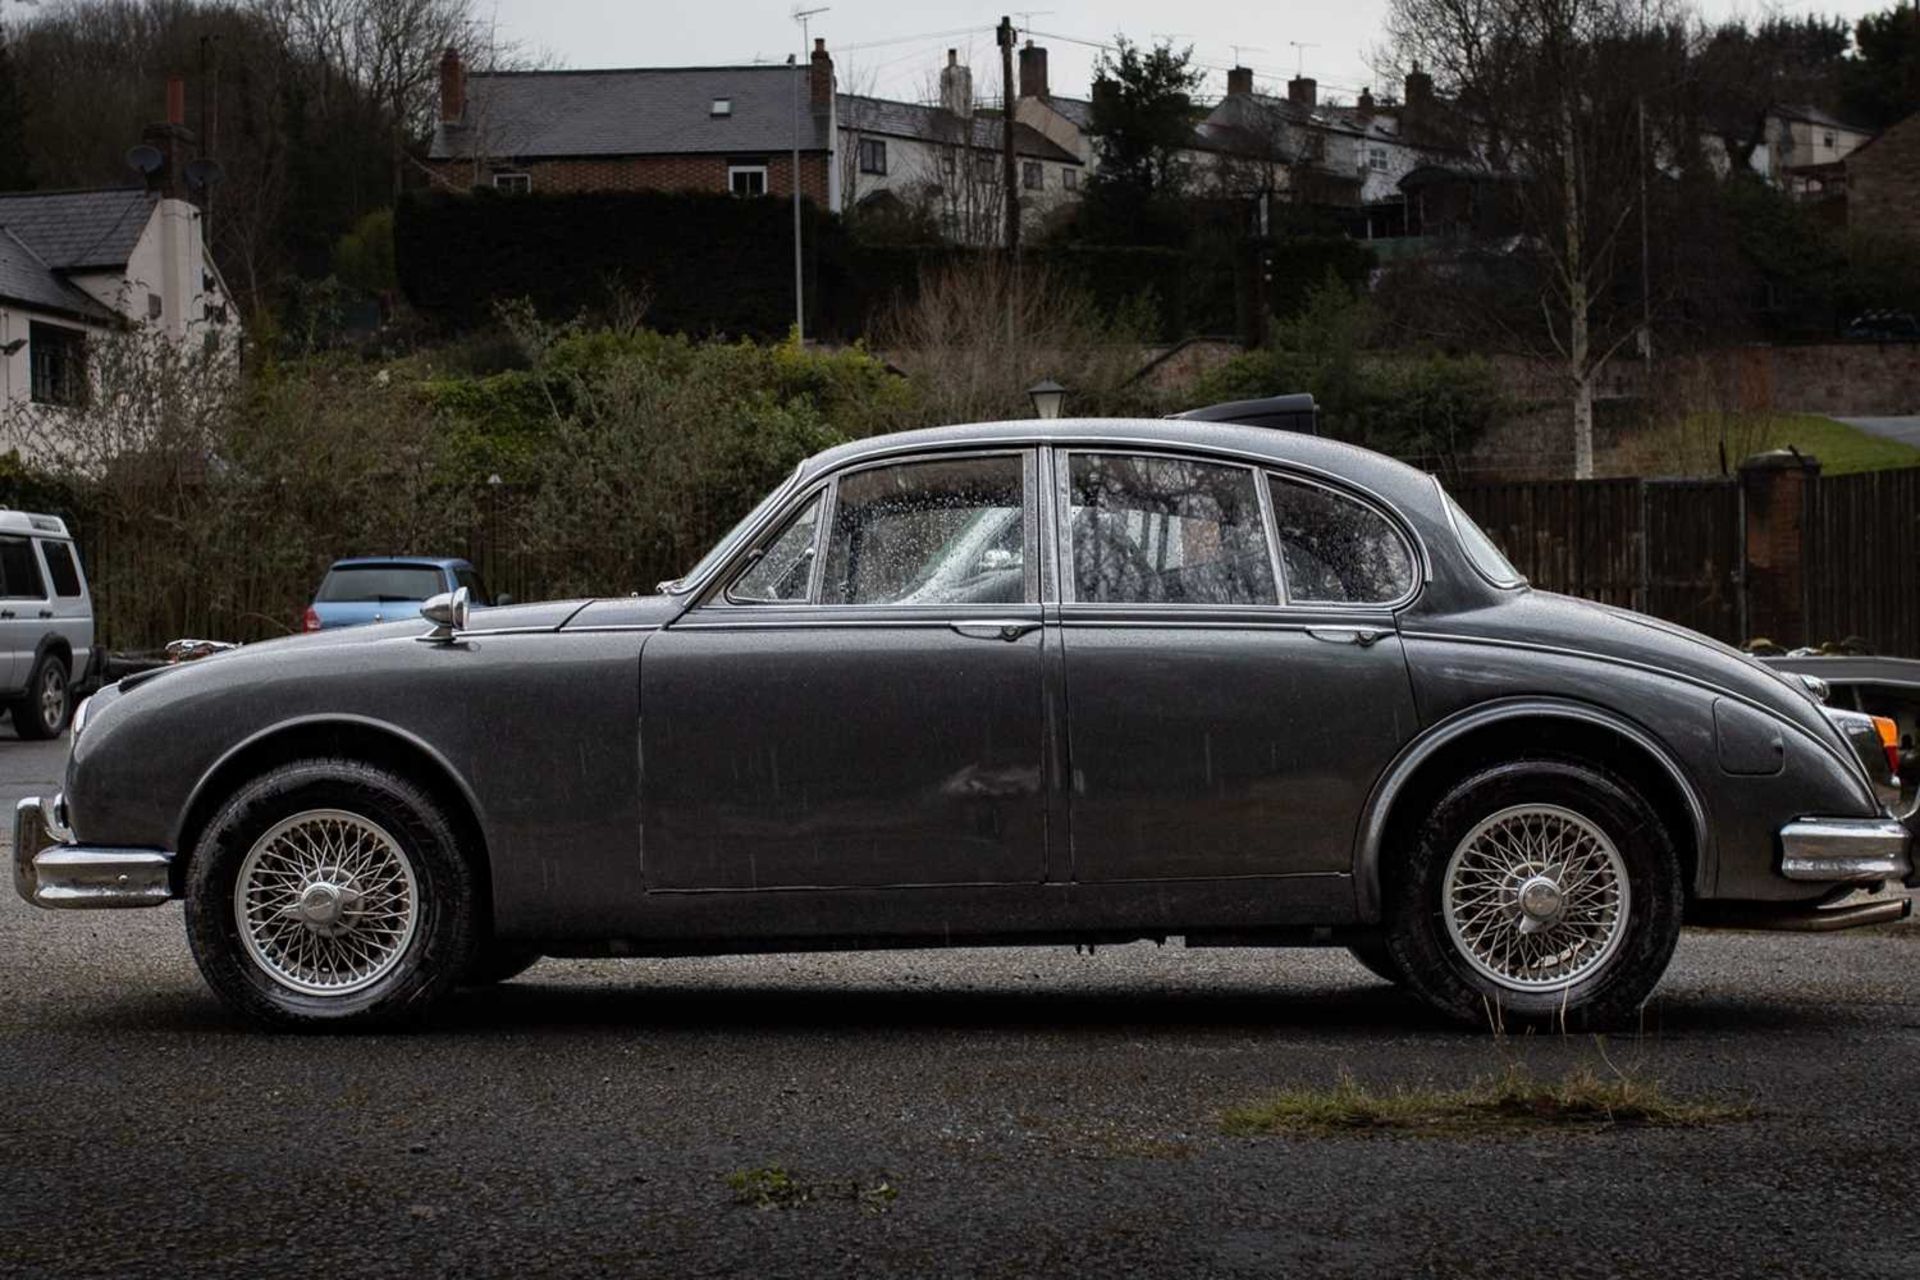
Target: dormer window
column 722, row 107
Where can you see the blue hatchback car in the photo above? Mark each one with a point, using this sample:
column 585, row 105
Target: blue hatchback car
column 389, row 588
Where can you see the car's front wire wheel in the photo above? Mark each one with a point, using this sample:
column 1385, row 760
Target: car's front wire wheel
column 1540, row 892
column 329, row 893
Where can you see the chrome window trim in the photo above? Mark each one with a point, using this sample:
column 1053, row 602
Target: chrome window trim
column 1043, row 440
column 786, row 515
column 1398, row 527
column 1448, row 506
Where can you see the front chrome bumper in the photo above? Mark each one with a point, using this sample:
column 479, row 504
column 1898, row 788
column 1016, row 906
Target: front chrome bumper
column 1847, row 850
column 49, row 870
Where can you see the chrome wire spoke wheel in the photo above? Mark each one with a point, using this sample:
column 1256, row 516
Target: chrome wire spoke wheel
column 1536, row 898
column 327, row 902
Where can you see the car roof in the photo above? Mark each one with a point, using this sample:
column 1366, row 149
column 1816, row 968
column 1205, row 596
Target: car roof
column 1388, row 477
column 419, row 562
column 33, row 523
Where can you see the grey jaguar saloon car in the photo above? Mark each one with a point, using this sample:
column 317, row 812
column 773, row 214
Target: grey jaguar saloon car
column 1027, row 682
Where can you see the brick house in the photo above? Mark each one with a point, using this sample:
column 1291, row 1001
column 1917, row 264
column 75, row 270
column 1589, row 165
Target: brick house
column 1883, row 182
column 639, row 129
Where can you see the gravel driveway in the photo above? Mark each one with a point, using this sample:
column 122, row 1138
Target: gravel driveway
column 997, row 1113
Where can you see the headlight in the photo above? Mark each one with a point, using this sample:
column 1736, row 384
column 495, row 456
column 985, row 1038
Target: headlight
column 1876, row 741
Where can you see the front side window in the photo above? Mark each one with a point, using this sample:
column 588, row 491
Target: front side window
column 59, row 357
column 20, row 570
column 1151, row 530
column 931, row 533
column 61, row 568
column 783, row 571
column 1334, row 550
column 873, row 155
column 747, row 179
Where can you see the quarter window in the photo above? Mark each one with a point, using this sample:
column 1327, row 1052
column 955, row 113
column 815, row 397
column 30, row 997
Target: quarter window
column 947, row 532
column 1335, row 550
column 1151, row 530
column 782, row 572
column 19, row 570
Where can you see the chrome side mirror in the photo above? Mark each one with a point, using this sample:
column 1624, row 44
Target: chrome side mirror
column 448, row 614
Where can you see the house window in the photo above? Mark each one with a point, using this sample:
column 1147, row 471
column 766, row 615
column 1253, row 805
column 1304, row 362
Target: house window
column 59, row 357
column 1069, row 178
column 1032, row 176
column 1377, row 158
column 513, row 184
column 721, row 107
column 873, row 155
column 747, row 179
column 983, row 170
column 1832, row 139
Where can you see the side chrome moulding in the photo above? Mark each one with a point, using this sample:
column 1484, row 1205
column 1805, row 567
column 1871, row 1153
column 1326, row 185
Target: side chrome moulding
column 49, row 871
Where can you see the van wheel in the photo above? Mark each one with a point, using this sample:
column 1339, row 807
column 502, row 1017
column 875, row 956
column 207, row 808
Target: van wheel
column 43, row 710
column 331, row 894
column 1539, row 893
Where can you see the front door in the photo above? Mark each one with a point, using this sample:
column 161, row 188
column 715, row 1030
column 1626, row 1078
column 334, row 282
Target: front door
column 23, row 609
column 862, row 703
column 1229, row 708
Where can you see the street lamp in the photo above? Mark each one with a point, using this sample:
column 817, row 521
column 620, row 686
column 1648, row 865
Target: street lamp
column 1047, row 396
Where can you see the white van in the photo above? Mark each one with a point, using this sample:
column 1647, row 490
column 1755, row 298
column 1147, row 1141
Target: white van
column 46, row 622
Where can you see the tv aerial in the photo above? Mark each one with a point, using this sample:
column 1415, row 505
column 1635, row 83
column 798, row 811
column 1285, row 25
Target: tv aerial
column 145, row 159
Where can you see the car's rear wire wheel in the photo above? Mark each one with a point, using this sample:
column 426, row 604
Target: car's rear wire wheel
column 1536, row 893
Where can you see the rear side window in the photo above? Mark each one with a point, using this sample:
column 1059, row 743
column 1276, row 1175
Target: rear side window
column 1335, row 550
column 60, row 567
column 20, row 570
column 378, row 583
column 1153, row 530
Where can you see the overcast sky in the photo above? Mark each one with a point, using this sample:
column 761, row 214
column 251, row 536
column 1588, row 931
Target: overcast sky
column 906, row 42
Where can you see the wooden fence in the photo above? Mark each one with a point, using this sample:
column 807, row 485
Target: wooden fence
column 1862, row 560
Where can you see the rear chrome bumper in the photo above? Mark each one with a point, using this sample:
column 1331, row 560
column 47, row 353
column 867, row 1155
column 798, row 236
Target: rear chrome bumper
column 49, row 870
column 1846, row 850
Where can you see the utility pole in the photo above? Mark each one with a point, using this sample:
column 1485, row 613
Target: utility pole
column 802, row 73
column 1008, row 168
column 1646, row 268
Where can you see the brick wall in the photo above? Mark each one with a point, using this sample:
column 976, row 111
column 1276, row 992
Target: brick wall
column 1883, row 182
column 646, row 173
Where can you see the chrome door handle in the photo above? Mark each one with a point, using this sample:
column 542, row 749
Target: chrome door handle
column 46, row 613
column 6, row 613
column 1362, row 636
column 995, row 629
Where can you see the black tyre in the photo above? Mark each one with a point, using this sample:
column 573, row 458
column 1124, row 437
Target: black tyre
column 1378, row 961
column 1540, row 893
column 45, row 708
column 496, row 962
column 331, row 894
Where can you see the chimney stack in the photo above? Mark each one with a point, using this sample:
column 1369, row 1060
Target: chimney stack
column 1033, row 71
column 1239, row 82
column 1303, row 92
column 1364, row 109
column 175, row 143
column 1419, row 88
column 956, row 85
column 453, row 87
column 820, row 77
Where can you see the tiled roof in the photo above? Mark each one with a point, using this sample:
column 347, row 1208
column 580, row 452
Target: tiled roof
column 25, row 278
column 79, row 230
column 638, row 111
column 887, row 118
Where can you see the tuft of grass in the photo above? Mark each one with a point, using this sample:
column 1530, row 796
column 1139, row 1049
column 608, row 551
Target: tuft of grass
column 1694, row 443
column 1513, row 1102
column 772, row 1187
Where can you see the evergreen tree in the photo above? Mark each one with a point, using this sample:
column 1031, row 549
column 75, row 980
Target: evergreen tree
column 16, row 172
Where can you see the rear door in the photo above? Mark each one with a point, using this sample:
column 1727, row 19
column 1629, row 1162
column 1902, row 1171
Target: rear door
column 72, row 611
column 1229, row 708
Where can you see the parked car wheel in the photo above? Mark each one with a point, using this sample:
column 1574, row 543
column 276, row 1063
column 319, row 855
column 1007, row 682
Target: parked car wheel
column 329, row 893
column 1537, row 893
column 44, row 709
column 1377, row 960
column 496, row 962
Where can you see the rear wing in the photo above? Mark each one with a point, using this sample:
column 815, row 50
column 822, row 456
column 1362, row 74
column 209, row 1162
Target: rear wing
column 1283, row 413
